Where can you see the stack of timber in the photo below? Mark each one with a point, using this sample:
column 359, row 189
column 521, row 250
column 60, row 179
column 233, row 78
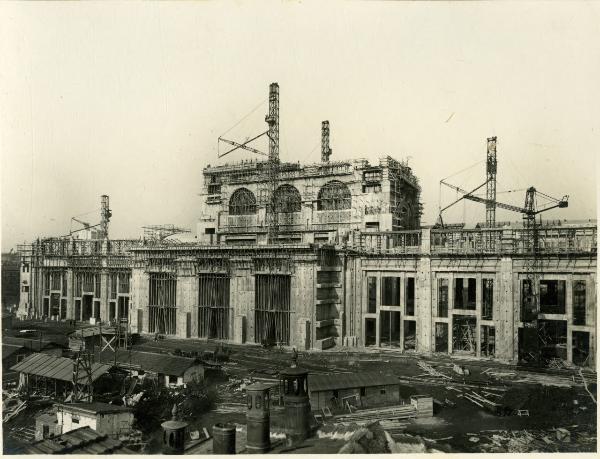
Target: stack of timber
column 485, row 403
column 431, row 371
column 379, row 414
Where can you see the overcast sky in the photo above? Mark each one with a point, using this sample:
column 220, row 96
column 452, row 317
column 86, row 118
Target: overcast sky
column 129, row 100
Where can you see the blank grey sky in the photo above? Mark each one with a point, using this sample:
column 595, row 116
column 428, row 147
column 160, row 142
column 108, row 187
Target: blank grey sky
column 128, row 99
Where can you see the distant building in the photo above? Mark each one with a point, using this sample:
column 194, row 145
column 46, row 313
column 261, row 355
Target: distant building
column 11, row 264
column 106, row 419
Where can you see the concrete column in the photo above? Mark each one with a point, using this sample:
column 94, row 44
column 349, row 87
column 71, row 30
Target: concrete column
column 591, row 305
column 423, row 304
column 139, row 300
column 70, row 301
column 238, row 329
column 193, row 308
column 104, row 286
column 184, row 304
column 569, row 314
column 506, row 312
column 478, row 308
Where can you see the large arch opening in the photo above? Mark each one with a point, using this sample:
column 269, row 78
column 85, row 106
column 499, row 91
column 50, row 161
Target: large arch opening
column 334, row 195
column 242, row 202
column 287, row 199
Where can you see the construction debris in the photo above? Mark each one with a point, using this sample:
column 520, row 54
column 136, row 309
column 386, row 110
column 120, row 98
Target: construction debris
column 586, row 386
column 431, row 371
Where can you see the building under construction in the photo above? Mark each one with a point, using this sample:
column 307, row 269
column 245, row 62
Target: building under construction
column 333, row 254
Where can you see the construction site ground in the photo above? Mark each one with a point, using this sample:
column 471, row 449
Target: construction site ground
column 558, row 412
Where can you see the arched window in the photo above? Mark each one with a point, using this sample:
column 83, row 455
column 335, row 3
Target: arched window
column 334, row 195
column 242, row 202
column 287, row 199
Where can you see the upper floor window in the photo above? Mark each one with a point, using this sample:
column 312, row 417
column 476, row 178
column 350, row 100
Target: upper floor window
column 334, row 195
column 287, row 199
column 242, row 202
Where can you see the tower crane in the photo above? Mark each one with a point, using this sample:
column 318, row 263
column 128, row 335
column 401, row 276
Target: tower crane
column 529, row 211
column 272, row 120
column 105, row 214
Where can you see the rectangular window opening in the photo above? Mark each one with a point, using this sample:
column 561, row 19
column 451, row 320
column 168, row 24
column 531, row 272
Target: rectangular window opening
column 410, row 296
column 528, row 302
column 463, row 334
column 579, row 299
column 581, row 348
column 487, row 300
column 371, row 295
column 442, row 310
column 465, row 293
column 410, row 335
column 389, row 329
column 488, row 341
column 390, row 295
column 552, row 296
column 441, row 337
column 370, row 332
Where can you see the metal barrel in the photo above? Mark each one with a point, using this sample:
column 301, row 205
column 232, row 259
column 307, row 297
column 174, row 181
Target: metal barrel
column 223, row 438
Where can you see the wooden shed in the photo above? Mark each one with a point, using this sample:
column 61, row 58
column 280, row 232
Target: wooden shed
column 362, row 390
column 172, row 371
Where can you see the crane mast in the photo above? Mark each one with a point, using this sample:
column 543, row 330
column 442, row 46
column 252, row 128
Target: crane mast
column 491, row 168
column 272, row 120
column 325, row 150
column 105, row 214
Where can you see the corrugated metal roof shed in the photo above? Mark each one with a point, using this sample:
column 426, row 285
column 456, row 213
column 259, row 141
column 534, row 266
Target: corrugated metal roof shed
column 148, row 361
column 93, row 408
column 60, row 368
column 79, row 441
column 317, row 383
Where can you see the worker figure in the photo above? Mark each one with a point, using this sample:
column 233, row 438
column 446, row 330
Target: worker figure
column 294, row 358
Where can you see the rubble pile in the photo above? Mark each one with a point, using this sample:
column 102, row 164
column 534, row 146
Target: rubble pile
column 370, row 439
column 534, row 441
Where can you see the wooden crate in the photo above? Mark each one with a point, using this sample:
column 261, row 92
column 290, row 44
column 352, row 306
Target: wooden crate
column 423, row 404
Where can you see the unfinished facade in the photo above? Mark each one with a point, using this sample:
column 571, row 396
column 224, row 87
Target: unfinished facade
column 312, row 203
column 424, row 290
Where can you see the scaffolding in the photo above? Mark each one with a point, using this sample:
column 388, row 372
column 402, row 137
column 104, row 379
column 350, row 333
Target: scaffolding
column 160, row 232
column 214, row 311
column 83, row 387
column 272, row 313
column 334, row 195
column 162, row 307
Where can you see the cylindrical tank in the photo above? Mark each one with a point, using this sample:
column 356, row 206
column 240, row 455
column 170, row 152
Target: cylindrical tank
column 223, row 439
column 294, row 385
column 258, row 418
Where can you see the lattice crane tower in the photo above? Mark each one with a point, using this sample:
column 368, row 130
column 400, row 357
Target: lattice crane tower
column 325, row 150
column 491, row 168
column 272, row 120
column 105, row 214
